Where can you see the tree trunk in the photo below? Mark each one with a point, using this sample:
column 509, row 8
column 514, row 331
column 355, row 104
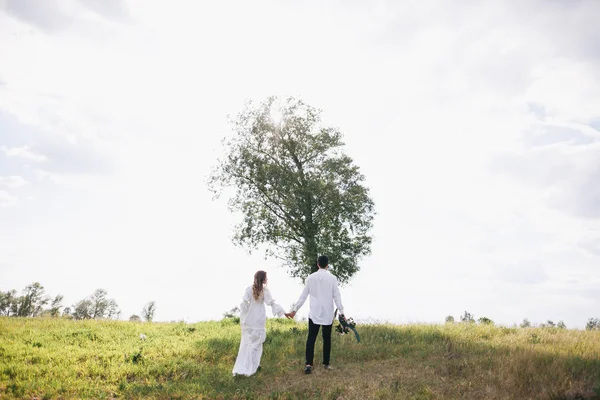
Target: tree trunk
column 311, row 253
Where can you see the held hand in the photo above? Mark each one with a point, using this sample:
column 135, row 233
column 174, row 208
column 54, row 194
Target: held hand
column 290, row 315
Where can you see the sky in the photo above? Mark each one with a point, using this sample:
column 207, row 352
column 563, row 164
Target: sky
column 475, row 123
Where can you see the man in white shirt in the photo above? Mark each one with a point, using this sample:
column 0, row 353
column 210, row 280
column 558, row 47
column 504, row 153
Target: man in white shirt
column 322, row 286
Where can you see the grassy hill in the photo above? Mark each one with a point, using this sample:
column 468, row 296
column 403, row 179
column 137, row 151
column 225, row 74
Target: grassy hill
column 54, row 358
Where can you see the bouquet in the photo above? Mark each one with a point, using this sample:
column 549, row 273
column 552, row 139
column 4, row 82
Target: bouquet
column 346, row 325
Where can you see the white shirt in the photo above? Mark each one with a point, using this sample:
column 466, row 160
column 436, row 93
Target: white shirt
column 322, row 286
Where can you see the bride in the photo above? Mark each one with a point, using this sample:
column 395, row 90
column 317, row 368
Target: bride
column 253, row 318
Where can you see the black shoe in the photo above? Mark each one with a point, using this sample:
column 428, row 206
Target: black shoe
column 308, row 369
column 259, row 368
column 327, row 366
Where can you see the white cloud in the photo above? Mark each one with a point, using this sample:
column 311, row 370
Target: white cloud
column 43, row 175
column 12, row 182
column 7, row 200
column 23, row 152
column 567, row 89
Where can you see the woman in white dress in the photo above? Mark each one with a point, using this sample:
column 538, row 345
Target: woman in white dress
column 253, row 318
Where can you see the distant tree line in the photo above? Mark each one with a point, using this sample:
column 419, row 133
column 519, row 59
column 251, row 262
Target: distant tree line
column 147, row 313
column 96, row 306
column 468, row 318
column 34, row 302
column 593, row 324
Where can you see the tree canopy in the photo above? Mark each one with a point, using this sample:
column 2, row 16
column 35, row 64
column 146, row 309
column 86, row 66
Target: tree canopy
column 297, row 191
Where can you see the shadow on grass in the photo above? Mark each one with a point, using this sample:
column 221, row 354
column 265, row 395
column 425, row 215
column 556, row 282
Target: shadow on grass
column 469, row 364
column 206, row 369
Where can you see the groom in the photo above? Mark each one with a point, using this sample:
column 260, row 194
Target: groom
column 322, row 286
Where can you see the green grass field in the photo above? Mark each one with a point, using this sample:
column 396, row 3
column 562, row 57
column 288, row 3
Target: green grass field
column 57, row 358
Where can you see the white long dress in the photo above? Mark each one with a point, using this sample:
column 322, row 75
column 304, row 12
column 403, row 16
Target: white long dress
column 253, row 318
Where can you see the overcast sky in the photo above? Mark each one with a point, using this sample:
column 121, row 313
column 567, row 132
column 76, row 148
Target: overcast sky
column 476, row 124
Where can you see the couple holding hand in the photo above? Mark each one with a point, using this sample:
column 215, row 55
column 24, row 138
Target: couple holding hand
column 321, row 286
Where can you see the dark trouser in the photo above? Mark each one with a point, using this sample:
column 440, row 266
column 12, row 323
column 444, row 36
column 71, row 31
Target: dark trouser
column 313, row 332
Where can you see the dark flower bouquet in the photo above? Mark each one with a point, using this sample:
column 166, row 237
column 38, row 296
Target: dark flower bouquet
column 346, row 325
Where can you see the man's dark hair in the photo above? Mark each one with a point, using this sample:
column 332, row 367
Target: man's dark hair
column 323, row 261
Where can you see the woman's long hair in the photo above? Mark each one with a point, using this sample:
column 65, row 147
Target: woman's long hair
column 259, row 280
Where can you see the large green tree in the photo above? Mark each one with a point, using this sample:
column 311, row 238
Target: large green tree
column 298, row 192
